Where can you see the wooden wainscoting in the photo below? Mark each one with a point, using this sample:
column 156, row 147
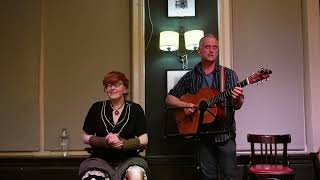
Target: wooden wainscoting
column 306, row 167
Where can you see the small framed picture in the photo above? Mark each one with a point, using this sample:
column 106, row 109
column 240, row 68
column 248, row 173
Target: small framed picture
column 181, row 8
column 173, row 76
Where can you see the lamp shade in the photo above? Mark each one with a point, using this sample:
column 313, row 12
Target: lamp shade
column 192, row 39
column 169, row 40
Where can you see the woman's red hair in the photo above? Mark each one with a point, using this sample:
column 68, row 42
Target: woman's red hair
column 114, row 77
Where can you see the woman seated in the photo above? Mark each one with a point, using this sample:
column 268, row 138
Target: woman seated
column 116, row 130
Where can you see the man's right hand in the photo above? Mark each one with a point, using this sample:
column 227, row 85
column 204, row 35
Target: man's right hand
column 173, row 101
column 190, row 110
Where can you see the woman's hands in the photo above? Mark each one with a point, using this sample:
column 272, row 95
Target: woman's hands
column 114, row 141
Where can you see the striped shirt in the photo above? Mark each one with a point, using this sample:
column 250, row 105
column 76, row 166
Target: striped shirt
column 196, row 79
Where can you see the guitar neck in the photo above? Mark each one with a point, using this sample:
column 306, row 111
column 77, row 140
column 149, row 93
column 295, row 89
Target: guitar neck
column 226, row 93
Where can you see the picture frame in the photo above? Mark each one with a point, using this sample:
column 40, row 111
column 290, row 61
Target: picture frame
column 173, row 76
column 181, row 8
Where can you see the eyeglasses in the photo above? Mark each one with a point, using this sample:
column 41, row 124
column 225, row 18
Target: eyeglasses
column 116, row 85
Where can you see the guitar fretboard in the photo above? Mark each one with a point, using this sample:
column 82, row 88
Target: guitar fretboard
column 226, row 93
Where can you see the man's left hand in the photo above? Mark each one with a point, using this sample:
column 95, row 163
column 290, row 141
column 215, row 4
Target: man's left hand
column 237, row 97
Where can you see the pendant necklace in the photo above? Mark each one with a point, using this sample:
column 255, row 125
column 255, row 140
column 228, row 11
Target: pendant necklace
column 116, row 110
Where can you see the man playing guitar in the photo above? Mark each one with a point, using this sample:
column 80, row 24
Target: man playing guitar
column 217, row 147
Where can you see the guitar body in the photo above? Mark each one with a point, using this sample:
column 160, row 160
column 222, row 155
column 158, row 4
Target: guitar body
column 189, row 124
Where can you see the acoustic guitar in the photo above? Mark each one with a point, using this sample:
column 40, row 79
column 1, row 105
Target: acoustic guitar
column 188, row 125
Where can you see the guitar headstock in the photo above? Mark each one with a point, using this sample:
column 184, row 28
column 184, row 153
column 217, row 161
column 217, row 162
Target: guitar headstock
column 259, row 76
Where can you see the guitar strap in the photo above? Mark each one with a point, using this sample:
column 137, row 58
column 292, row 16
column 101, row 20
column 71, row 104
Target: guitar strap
column 222, row 87
column 222, row 79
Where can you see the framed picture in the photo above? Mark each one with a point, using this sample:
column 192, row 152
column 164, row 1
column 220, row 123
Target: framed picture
column 173, row 76
column 181, row 8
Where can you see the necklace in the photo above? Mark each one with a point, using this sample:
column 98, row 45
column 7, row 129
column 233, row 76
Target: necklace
column 116, row 110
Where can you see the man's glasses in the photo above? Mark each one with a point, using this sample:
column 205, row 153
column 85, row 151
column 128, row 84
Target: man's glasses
column 116, row 85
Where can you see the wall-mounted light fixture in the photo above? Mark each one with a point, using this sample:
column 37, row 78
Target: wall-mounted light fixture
column 169, row 41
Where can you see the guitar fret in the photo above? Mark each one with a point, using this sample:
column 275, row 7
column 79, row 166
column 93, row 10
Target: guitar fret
column 219, row 97
column 243, row 83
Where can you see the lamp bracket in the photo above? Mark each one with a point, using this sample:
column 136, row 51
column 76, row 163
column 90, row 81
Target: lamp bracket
column 183, row 58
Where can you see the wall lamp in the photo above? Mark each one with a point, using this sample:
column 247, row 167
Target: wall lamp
column 169, row 41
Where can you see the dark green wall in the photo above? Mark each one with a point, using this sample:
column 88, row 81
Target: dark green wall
column 157, row 62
